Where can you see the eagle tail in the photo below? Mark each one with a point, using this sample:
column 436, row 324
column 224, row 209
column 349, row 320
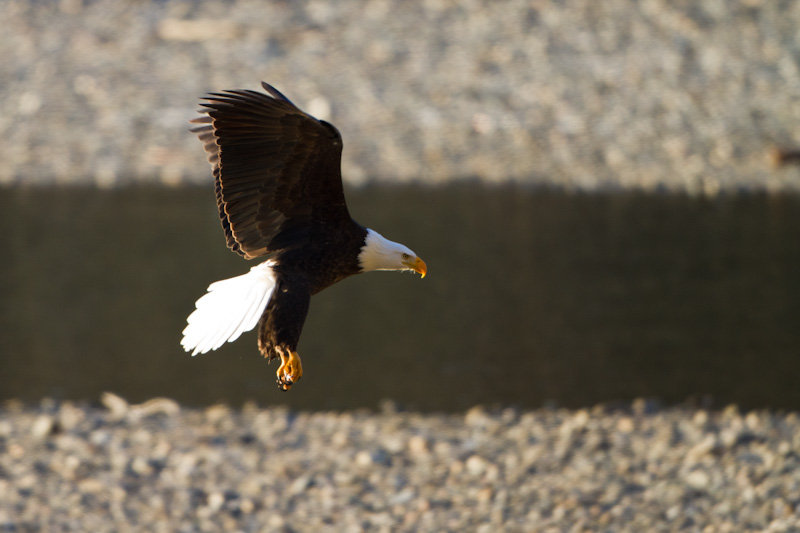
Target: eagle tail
column 229, row 308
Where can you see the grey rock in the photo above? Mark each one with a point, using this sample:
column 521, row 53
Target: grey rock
column 183, row 469
column 684, row 97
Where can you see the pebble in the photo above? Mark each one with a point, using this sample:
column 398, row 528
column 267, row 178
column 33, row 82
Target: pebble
column 42, row 426
column 176, row 468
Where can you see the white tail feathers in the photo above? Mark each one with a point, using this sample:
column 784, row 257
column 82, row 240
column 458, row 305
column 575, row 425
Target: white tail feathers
column 231, row 307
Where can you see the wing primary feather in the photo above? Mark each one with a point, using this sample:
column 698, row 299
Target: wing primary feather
column 275, row 92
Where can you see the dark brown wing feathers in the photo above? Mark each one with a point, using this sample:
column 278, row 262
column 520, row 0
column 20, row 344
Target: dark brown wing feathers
column 276, row 170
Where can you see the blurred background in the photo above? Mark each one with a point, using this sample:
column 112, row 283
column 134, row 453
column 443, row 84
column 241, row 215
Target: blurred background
column 604, row 193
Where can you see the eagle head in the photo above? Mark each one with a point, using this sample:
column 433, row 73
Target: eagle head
column 379, row 253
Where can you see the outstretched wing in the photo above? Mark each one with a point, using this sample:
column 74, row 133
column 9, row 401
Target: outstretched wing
column 277, row 170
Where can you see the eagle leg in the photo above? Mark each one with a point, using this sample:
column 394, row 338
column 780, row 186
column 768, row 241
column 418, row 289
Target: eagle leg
column 290, row 370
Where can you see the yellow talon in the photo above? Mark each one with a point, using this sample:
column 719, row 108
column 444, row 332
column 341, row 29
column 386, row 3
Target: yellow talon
column 290, row 371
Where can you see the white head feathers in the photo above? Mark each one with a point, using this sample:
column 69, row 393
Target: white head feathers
column 379, row 253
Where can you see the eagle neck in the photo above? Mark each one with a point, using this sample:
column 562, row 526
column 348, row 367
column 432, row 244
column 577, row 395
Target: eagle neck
column 377, row 252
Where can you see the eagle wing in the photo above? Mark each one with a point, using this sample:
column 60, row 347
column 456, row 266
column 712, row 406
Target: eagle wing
column 277, row 170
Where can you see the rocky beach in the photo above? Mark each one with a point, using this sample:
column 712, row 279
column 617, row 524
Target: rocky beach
column 159, row 467
column 653, row 96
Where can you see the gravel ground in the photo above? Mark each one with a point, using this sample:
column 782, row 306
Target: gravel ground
column 159, row 467
column 584, row 95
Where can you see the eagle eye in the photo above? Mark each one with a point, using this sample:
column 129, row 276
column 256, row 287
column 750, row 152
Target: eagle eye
column 405, row 257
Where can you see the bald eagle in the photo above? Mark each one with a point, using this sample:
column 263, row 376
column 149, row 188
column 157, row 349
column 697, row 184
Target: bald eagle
column 279, row 193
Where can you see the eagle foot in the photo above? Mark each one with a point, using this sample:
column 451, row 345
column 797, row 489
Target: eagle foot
column 290, row 370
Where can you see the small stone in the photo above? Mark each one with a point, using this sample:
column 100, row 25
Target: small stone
column 275, row 521
column 299, row 485
column 164, row 406
column 363, row 459
column 246, row 506
column 15, row 451
column 42, row 426
column 71, row 464
column 752, row 421
column 91, row 486
column 625, row 425
column 728, row 437
column 476, row 417
column 339, row 439
column 476, row 465
column 698, row 480
column 673, row 512
column 69, row 416
column 141, row 466
column 402, row 497
column 700, row 418
column 700, row 449
column 320, row 108
column 485, row 494
column 215, row 413
column 117, row 405
column 580, row 419
column 215, row 501
column 418, row 446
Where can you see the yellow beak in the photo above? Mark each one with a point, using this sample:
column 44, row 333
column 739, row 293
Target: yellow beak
column 420, row 267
